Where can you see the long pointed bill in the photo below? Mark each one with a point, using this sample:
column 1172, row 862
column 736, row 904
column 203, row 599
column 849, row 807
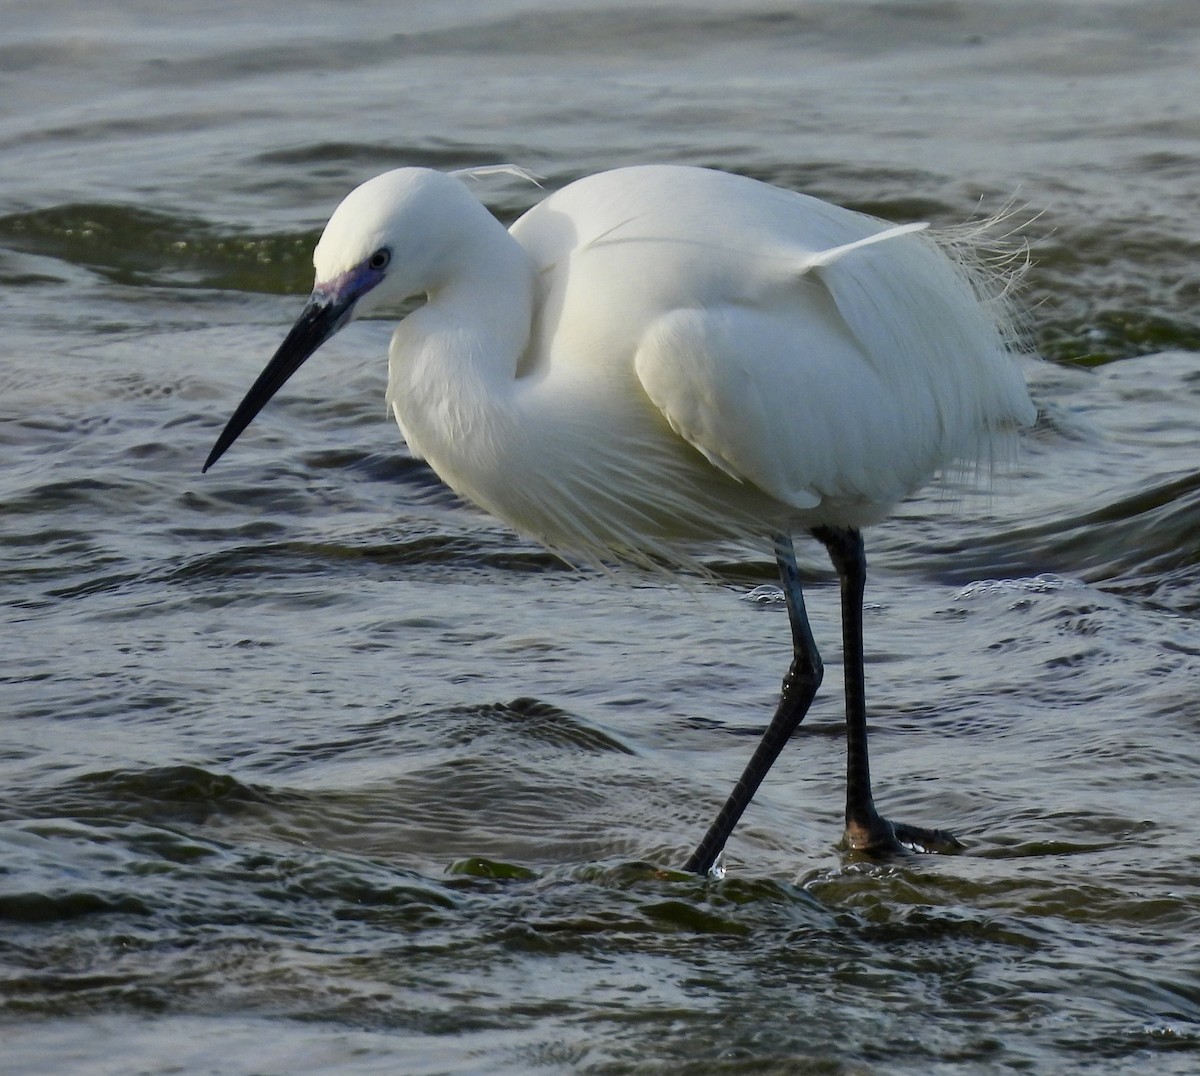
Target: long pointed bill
column 321, row 317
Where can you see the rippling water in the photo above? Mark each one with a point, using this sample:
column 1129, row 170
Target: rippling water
column 304, row 766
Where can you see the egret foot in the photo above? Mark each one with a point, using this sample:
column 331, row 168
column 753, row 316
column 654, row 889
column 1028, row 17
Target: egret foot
column 878, row 837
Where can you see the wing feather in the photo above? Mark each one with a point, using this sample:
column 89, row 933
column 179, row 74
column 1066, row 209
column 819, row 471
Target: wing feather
column 870, row 368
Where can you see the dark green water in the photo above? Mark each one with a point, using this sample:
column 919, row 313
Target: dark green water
column 306, row 767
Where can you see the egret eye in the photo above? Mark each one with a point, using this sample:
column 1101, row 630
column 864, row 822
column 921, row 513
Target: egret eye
column 379, row 260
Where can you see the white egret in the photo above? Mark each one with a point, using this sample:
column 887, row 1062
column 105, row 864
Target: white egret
column 659, row 356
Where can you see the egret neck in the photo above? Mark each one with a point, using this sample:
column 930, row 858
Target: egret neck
column 452, row 364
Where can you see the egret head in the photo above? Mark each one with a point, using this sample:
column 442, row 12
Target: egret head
column 394, row 237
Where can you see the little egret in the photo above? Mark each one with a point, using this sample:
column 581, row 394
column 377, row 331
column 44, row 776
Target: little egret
column 658, row 357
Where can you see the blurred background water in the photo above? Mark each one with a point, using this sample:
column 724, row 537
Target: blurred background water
column 307, row 767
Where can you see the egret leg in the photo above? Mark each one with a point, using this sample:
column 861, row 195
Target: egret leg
column 799, row 686
column 866, row 829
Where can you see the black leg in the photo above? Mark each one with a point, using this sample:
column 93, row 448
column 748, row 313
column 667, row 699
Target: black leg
column 799, row 687
column 866, row 830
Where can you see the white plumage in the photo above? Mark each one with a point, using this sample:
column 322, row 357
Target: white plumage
column 660, row 356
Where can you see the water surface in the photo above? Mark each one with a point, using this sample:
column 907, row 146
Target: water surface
column 308, row 767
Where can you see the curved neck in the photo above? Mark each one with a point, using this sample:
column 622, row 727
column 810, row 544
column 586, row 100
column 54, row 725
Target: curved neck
column 453, row 362
column 488, row 300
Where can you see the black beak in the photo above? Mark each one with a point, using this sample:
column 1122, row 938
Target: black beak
column 318, row 321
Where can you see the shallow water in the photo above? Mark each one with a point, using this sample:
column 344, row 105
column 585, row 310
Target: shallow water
column 306, row 767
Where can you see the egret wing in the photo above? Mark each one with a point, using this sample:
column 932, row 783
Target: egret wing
column 783, row 392
column 855, row 377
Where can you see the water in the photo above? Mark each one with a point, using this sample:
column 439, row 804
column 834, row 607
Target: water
column 308, row 768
